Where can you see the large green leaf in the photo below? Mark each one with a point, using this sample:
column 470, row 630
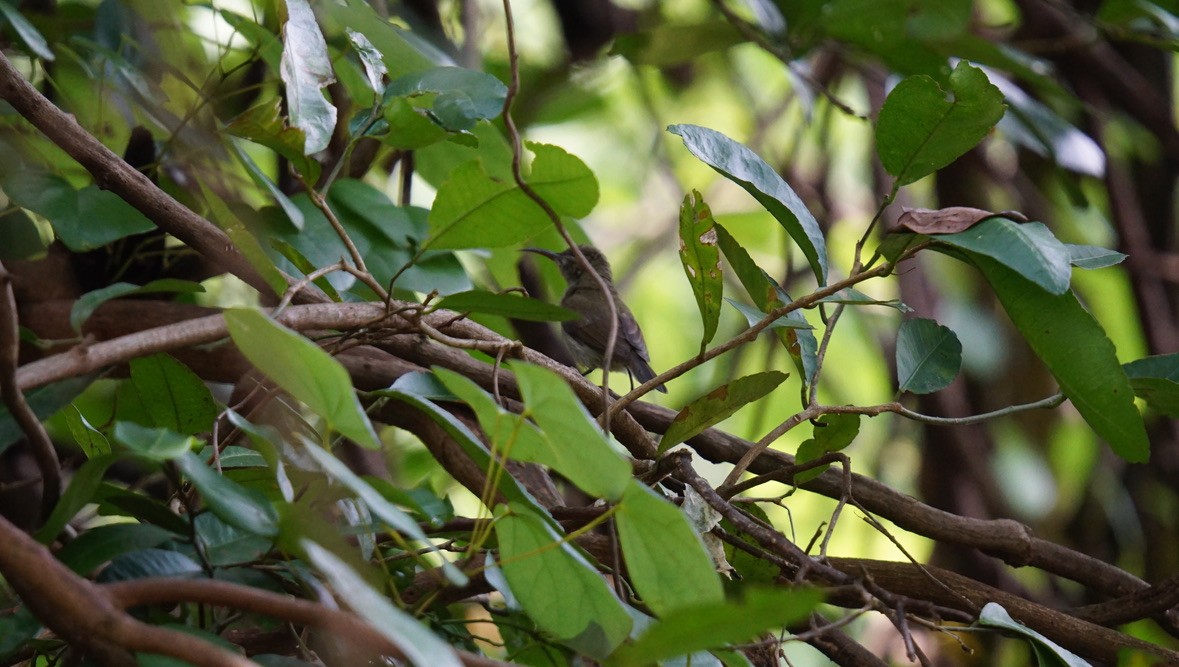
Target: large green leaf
column 174, row 396
column 557, row 586
column 147, row 563
column 716, row 624
column 306, row 68
column 920, row 131
column 236, row 505
column 462, row 96
column 1028, row 248
column 718, row 405
column 98, row 545
column 700, row 256
column 1080, row 356
column 474, row 209
column 421, row 646
column 302, row 369
column 929, row 356
column 564, row 438
column 745, row 168
column 83, row 219
column 666, row 559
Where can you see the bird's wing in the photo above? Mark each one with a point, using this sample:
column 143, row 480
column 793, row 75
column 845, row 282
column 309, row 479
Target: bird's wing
column 592, row 327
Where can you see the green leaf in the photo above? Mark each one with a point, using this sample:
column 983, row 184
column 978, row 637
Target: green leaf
column 993, row 615
column 86, row 304
column 920, row 131
column 592, row 465
column 767, row 295
column 854, row 297
column 233, row 503
column 475, row 210
column 383, row 509
column 27, row 33
column 1079, row 355
column 700, row 256
column 1028, row 248
column 410, row 128
column 302, row 369
column 666, row 559
column 1093, row 257
column 506, row 305
column 717, row 624
column 98, row 545
column 16, row 629
column 929, row 356
column 370, row 57
column 22, row 237
column 146, row 563
column 1156, row 380
column 224, row 545
column 745, row 168
column 557, row 586
column 156, row 444
column 44, row 401
column 421, row 646
column 263, row 124
column 306, row 68
column 175, row 397
column 792, row 320
column 78, row 494
column 831, row 434
column 83, row 219
column 90, row 439
column 668, row 44
column 718, row 405
column 463, row 96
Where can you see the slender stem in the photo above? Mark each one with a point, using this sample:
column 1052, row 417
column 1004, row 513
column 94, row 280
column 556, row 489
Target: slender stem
column 517, row 175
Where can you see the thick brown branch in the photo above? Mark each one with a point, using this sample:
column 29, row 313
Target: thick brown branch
column 14, row 398
column 81, row 614
column 341, row 624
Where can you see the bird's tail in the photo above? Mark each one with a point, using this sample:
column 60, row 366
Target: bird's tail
column 643, row 372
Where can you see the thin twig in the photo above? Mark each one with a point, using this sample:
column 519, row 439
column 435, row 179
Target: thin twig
column 517, row 175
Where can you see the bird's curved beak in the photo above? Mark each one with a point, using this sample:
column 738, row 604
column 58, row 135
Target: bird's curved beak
column 541, row 251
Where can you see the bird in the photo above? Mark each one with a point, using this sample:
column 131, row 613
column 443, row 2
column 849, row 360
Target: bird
column 587, row 335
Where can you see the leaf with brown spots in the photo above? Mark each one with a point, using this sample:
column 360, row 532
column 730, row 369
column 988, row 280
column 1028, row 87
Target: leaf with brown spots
column 718, row 405
column 701, row 259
